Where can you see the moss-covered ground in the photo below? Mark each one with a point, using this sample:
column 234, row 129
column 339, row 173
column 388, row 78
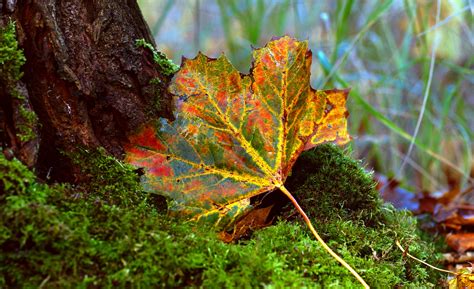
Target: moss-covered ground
column 107, row 233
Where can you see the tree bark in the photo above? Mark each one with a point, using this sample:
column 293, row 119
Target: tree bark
column 84, row 77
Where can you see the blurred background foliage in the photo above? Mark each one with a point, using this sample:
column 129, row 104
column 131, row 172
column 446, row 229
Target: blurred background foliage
column 406, row 61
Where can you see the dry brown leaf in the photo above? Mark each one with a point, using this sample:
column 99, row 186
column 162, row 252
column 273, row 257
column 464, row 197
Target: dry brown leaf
column 461, row 242
column 254, row 220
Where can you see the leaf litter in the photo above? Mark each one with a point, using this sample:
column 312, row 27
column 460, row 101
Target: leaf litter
column 452, row 214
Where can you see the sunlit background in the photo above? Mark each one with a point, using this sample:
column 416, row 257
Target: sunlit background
column 406, row 62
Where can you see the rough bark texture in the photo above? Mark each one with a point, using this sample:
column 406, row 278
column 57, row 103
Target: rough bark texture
column 84, row 76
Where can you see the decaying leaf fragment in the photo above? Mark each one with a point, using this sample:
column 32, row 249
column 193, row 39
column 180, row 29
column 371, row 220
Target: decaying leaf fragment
column 254, row 220
column 236, row 136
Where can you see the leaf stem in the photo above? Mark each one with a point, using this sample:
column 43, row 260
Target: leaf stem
column 405, row 251
column 320, row 240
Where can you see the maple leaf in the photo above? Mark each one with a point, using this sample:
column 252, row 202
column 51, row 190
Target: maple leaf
column 237, row 136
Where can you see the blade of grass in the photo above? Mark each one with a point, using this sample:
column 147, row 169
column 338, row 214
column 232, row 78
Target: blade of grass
column 197, row 25
column 226, row 25
column 330, row 71
column 373, row 17
column 426, row 94
column 427, row 175
column 164, row 12
column 393, row 126
column 444, row 21
column 342, row 23
column 278, row 17
column 402, row 133
column 468, row 159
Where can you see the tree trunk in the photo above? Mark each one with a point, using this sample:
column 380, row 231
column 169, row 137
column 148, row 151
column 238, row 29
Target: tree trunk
column 84, row 77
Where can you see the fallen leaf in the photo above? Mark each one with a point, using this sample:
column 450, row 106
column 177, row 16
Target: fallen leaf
column 428, row 202
column 254, row 220
column 464, row 279
column 236, row 136
column 454, row 217
column 460, row 242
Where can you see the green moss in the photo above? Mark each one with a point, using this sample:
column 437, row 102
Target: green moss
column 106, row 233
column 332, row 183
column 15, row 177
column 167, row 67
column 12, row 59
column 158, row 88
column 26, row 129
column 108, row 181
column 340, row 198
column 30, row 227
column 71, row 236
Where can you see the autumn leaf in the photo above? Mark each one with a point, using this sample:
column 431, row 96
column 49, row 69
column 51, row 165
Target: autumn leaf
column 237, row 136
column 464, row 279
